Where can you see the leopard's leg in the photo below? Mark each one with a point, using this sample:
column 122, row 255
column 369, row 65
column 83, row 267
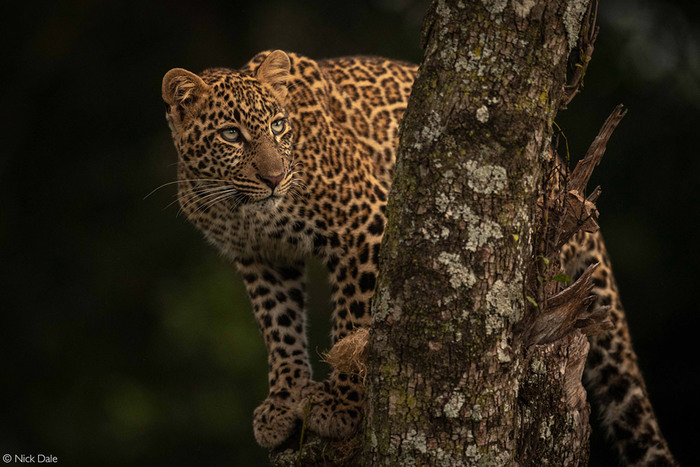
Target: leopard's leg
column 612, row 372
column 277, row 296
column 337, row 404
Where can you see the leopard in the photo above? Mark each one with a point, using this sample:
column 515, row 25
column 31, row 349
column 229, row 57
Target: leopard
column 289, row 158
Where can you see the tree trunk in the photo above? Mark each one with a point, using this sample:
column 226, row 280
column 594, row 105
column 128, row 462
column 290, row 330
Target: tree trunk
column 451, row 378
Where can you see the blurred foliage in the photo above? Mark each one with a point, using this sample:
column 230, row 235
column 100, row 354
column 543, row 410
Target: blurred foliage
column 129, row 341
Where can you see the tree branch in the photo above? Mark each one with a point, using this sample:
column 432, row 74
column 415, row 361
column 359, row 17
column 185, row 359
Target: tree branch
column 569, row 310
column 581, row 55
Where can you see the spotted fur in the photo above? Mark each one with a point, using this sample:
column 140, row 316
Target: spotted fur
column 612, row 372
column 319, row 187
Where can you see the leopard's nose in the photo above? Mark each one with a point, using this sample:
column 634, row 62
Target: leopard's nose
column 272, row 180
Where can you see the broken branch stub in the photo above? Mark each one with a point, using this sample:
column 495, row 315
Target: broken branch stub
column 569, row 310
column 584, row 169
column 579, row 214
column 581, row 55
column 576, row 212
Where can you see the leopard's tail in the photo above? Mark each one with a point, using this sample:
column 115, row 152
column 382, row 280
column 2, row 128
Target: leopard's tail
column 612, row 373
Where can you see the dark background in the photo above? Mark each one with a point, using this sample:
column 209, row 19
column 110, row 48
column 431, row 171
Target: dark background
column 128, row 341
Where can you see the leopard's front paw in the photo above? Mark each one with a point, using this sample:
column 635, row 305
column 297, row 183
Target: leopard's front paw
column 275, row 419
column 333, row 410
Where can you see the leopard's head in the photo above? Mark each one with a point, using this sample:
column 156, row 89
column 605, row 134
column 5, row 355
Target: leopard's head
column 232, row 135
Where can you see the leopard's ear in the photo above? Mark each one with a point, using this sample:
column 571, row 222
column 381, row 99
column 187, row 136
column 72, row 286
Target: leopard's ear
column 183, row 90
column 274, row 72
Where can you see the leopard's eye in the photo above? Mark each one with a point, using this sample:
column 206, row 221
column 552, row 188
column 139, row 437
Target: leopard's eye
column 232, row 135
column 278, row 126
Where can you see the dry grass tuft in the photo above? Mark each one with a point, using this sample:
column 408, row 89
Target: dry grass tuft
column 348, row 354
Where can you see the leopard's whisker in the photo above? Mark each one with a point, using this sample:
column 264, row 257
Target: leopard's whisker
column 199, row 193
column 294, row 194
column 186, row 197
column 209, row 204
column 201, row 190
column 182, row 181
column 240, row 199
column 212, row 194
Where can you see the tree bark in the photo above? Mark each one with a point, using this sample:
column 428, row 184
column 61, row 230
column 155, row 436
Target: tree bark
column 452, row 380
